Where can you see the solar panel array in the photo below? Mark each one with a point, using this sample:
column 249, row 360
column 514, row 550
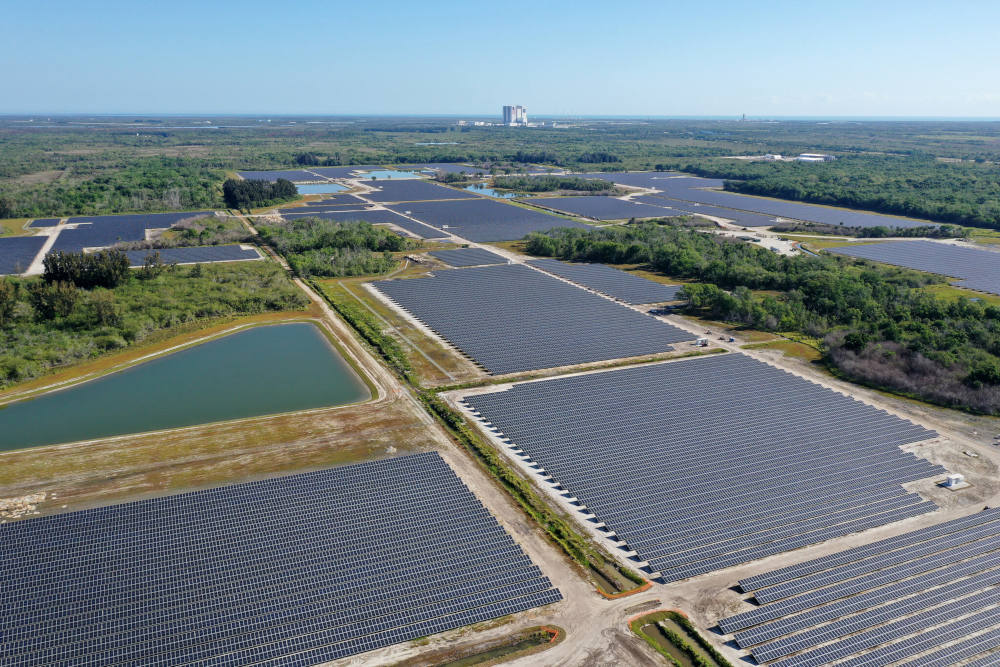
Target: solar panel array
column 612, row 282
column 294, row 175
column 196, row 254
column 411, row 190
column 882, row 602
column 468, row 257
column 599, row 207
column 979, row 269
column 677, row 207
column 296, row 570
column 374, row 216
column 102, row 231
column 44, row 222
column 512, row 318
column 705, row 463
column 18, row 252
column 484, row 220
column 694, row 189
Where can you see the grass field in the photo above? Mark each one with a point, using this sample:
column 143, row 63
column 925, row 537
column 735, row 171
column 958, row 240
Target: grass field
column 791, row 348
column 14, row 227
column 951, row 292
column 433, row 363
column 673, row 637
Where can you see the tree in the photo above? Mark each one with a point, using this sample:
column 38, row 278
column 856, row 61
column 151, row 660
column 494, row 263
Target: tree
column 105, row 268
column 8, row 299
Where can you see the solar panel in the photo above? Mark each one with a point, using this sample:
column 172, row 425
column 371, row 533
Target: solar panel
column 599, row 207
column 101, row 231
column 412, row 190
column 468, row 257
column 513, row 318
column 645, row 451
column 979, row 269
column 612, row 282
column 294, row 175
column 704, row 191
column 18, row 252
column 483, row 220
column 44, row 222
column 884, row 602
column 295, row 570
column 194, row 255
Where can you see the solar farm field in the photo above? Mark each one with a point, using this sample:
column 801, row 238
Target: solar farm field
column 885, row 602
column 468, row 257
column 18, row 252
column 337, row 200
column 678, row 207
column 512, row 318
column 695, row 189
column 195, row 255
column 701, row 464
column 978, row 269
column 374, row 216
column 294, row 175
column 106, row 230
column 610, row 281
column 447, row 168
column 294, row 570
column 599, row 208
column 484, row 220
column 44, row 222
column 413, row 190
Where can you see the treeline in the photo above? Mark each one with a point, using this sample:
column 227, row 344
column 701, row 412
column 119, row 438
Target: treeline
column 161, row 184
column 598, row 157
column 105, row 268
column 50, row 322
column 256, row 193
column 878, row 327
column 916, row 186
column 552, row 183
column 318, row 247
column 877, row 232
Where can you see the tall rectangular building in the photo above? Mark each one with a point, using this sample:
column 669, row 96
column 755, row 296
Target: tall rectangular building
column 515, row 115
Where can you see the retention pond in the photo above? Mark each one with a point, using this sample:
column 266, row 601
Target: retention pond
column 260, row 371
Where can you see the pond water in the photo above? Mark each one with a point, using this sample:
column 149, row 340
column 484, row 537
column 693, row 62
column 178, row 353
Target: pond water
column 490, row 192
column 387, row 174
column 320, row 188
column 259, row 371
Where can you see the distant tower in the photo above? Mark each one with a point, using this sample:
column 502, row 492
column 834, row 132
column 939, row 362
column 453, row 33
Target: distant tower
column 515, row 115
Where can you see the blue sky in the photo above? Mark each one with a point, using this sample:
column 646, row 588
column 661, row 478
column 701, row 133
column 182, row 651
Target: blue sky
column 665, row 58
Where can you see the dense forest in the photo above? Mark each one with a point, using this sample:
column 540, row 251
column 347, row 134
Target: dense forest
column 552, row 184
column 318, row 247
column 877, row 326
column 257, row 193
column 54, row 321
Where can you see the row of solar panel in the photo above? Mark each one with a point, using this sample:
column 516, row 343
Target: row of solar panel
column 610, row 281
column 979, row 269
column 876, row 602
column 464, row 257
column 580, row 433
column 512, row 318
column 262, row 570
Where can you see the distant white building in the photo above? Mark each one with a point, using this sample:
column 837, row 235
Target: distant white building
column 515, row 115
column 772, row 157
column 815, row 157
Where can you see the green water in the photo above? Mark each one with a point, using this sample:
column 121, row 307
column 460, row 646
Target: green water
column 260, row 371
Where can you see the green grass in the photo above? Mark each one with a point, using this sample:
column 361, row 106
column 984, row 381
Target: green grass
column 791, row 348
column 14, row 227
column 674, row 637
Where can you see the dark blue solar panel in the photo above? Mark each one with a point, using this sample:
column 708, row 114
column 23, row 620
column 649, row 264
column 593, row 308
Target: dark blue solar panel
column 483, row 220
column 324, row 564
column 193, row 255
column 600, row 208
column 44, row 222
column 412, row 190
column 17, row 253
